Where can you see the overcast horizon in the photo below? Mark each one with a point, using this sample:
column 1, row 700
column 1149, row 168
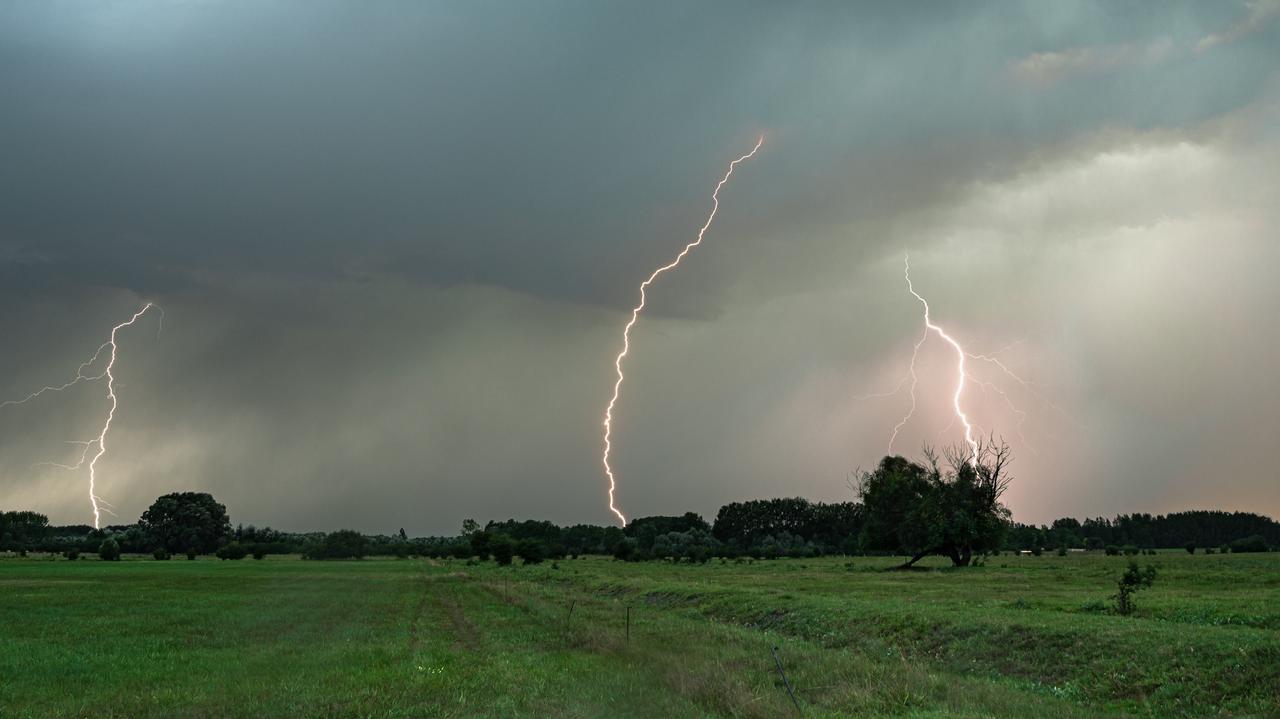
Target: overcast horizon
column 396, row 244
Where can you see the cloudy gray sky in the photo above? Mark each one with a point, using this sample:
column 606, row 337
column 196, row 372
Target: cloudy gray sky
column 396, row 243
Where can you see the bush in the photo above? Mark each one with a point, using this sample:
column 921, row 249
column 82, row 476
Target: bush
column 1130, row 550
column 160, row 554
column 1191, row 547
column 502, row 549
column 233, row 550
column 72, row 554
column 1254, row 543
column 1112, row 550
column 1131, row 581
column 625, row 549
column 1210, row 550
column 531, row 551
column 342, row 544
column 1093, row 543
column 259, row 552
column 1062, row 551
column 191, row 554
column 109, row 551
column 1037, row 550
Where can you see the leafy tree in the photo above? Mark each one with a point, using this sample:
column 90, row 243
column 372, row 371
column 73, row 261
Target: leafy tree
column 109, row 550
column 470, row 527
column 645, row 529
column 481, row 541
column 502, row 549
column 22, row 530
column 342, row 544
column 183, row 521
column 532, row 551
column 1131, row 581
column 625, row 549
column 919, row 510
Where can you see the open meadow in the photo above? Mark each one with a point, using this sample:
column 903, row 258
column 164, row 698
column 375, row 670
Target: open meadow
column 282, row 637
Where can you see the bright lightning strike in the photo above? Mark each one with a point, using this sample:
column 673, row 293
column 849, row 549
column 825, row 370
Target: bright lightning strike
column 963, row 377
column 98, row 445
column 960, row 373
column 635, row 315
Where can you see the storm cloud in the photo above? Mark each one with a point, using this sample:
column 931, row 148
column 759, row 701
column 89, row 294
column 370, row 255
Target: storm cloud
column 396, row 242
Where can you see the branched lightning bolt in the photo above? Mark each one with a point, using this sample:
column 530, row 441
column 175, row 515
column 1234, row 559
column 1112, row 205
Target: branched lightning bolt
column 635, row 315
column 100, row 442
column 960, row 373
column 963, row 375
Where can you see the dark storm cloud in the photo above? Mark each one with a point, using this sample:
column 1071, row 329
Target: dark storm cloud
column 427, row 217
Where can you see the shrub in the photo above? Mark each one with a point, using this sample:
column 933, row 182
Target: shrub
column 1224, row 549
column 1130, row 550
column 160, row 554
column 109, row 551
column 1191, row 547
column 1093, row 543
column 1062, row 551
column 1037, row 550
column 1210, row 550
column 1131, row 581
column 232, row 550
column 531, row 551
column 342, row 544
column 1254, row 543
column 502, row 549
column 191, row 554
column 625, row 549
column 72, row 554
column 1112, row 550
column 259, row 551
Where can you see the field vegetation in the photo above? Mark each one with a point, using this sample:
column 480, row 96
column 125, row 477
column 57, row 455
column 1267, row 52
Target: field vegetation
column 1017, row 635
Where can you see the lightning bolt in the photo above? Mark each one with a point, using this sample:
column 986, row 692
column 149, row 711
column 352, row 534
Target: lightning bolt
column 635, row 315
column 961, row 375
column 100, row 442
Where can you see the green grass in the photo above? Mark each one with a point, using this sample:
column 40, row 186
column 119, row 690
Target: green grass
column 1021, row 636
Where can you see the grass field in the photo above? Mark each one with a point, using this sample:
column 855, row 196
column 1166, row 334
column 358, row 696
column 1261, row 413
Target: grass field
column 1021, row 636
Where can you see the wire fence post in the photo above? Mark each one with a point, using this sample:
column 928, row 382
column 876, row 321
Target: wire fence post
column 785, row 681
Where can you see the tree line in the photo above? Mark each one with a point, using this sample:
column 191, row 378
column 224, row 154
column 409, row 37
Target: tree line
column 946, row 505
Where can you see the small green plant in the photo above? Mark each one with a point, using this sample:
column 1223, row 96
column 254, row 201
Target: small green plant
column 1062, row 551
column 160, row 554
column 191, row 554
column 1130, row 550
column 109, row 551
column 72, row 554
column 1112, row 550
column 1131, row 581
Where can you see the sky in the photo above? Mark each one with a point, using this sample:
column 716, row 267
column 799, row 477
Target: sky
column 396, row 243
